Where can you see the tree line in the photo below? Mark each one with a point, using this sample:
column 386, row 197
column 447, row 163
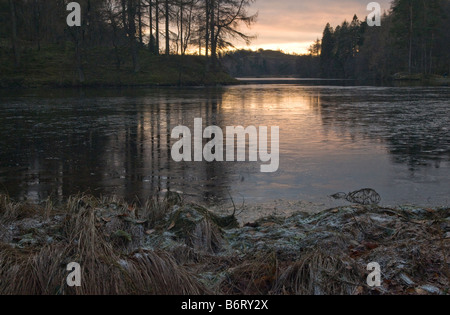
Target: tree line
column 269, row 63
column 413, row 38
column 204, row 27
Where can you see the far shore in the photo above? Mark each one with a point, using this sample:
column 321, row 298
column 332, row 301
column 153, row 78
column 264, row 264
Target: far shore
column 55, row 67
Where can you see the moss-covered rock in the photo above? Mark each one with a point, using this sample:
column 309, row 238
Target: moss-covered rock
column 198, row 227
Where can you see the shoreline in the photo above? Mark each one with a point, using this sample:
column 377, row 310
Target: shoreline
column 54, row 67
column 207, row 253
column 254, row 211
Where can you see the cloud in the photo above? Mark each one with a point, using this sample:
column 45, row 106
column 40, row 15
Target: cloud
column 291, row 24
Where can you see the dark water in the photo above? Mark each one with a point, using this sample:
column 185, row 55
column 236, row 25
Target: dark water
column 332, row 139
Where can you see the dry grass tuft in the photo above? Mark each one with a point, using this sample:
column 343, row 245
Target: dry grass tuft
column 157, row 273
column 12, row 211
column 319, row 274
column 255, row 276
column 104, row 270
column 197, row 228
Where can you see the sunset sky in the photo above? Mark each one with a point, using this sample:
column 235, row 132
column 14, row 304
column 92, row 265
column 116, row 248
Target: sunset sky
column 292, row 25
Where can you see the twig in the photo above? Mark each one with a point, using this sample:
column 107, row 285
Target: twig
column 359, row 225
column 234, row 205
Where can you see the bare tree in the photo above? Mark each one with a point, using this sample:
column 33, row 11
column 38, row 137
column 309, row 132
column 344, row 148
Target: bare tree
column 167, row 18
column 15, row 43
column 157, row 27
column 207, row 27
column 226, row 19
column 140, row 23
column 151, row 41
column 132, row 7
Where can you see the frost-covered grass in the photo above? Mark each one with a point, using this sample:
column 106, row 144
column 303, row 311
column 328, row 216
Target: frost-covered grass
column 172, row 247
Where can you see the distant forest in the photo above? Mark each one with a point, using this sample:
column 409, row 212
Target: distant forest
column 413, row 39
column 269, row 63
column 169, row 27
column 124, row 34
